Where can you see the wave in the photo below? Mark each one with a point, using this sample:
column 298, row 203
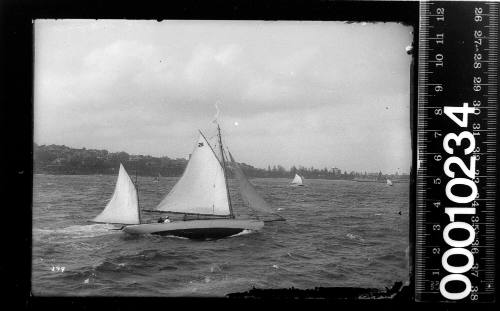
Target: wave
column 355, row 237
column 215, row 287
column 388, row 257
column 296, row 255
column 80, row 231
column 244, row 232
column 109, row 266
column 150, row 256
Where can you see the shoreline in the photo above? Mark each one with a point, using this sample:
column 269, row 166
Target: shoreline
column 251, row 177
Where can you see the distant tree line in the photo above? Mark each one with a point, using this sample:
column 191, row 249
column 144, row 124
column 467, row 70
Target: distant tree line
column 57, row 159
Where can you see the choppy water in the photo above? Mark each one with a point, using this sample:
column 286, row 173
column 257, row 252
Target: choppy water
column 337, row 233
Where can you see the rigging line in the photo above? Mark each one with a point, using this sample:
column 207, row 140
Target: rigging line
column 213, row 151
column 224, row 169
column 187, row 213
column 137, row 190
column 217, row 172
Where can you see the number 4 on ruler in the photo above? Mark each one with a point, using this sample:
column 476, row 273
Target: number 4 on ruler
column 450, row 111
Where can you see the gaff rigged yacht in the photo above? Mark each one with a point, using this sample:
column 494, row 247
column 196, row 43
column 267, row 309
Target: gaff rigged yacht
column 201, row 192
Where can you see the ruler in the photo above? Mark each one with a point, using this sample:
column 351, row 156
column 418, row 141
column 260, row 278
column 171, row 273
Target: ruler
column 456, row 184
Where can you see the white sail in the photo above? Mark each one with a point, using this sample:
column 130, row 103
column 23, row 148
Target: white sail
column 202, row 187
column 247, row 190
column 123, row 207
column 297, row 180
column 389, row 182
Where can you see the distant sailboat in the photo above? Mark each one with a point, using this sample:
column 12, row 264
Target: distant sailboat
column 298, row 180
column 157, row 178
column 389, row 182
column 123, row 208
column 203, row 192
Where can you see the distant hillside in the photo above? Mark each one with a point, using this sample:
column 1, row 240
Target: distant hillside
column 57, row 159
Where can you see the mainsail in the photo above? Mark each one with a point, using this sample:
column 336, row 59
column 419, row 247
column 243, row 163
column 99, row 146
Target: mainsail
column 297, row 180
column 202, row 187
column 389, row 182
column 123, row 207
column 248, row 193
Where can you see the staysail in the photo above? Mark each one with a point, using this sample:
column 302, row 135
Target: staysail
column 123, row 207
column 202, row 187
column 248, row 193
column 297, row 180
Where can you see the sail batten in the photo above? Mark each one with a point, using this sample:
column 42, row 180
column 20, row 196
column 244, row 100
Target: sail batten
column 202, row 187
column 123, row 207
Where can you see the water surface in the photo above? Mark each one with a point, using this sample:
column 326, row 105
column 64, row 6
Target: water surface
column 337, row 233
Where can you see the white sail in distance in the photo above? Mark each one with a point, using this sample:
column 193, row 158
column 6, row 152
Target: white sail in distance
column 389, row 182
column 202, row 187
column 248, row 193
column 297, row 180
column 123, row 208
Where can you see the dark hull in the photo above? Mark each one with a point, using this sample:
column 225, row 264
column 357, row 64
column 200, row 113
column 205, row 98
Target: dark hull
column 201, row 234
column 197, row 229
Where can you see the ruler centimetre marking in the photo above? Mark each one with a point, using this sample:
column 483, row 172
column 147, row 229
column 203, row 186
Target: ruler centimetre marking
column 456, row 151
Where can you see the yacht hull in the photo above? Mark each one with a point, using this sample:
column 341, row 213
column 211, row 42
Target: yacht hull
column 197, row 229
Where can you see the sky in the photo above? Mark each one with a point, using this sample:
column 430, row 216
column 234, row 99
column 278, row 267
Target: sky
column 303, row 93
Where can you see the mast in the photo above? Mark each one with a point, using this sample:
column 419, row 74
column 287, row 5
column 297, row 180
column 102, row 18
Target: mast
column 137, row 190
column 224, row 169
